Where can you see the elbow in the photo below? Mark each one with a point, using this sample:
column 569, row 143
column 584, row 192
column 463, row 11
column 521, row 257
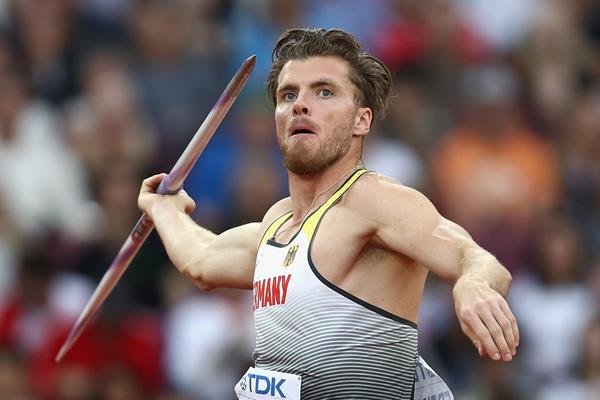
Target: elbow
column 194, row 271
column 197, row 278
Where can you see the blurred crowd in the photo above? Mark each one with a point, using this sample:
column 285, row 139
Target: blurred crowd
column 495, row 115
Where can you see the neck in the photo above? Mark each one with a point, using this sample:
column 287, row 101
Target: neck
column 309, row 191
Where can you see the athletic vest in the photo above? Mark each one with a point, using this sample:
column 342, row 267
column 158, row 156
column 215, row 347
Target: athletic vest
column 341, row 346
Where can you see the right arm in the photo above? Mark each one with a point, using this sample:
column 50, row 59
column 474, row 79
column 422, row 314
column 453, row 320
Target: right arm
column 210, row 260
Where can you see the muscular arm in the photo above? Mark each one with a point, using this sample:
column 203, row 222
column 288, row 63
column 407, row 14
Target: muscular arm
column 408, row 223
column 210, row 260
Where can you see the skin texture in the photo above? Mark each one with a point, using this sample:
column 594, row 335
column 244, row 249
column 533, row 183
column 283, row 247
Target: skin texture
column 379, row 248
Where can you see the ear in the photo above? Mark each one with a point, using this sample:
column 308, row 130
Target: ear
column 362, row 121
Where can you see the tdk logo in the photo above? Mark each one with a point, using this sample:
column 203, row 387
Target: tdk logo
column 265, row 385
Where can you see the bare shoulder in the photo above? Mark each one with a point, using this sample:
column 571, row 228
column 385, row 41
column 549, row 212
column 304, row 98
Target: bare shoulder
column 278, row 209
column 382, row 199
column 374, row 190
column 281, row 207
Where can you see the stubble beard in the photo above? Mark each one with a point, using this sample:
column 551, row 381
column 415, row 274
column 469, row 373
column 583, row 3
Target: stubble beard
column 305, row 158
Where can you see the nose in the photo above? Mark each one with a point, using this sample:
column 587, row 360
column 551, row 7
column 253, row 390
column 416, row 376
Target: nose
column 300, row 106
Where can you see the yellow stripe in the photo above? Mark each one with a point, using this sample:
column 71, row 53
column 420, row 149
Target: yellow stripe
column 310, row 225
column 274, row 227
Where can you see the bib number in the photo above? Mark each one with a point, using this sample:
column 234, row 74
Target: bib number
column 259, row 384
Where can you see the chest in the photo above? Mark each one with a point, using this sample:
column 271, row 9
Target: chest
column 333, row 252
column 335, row 244
column 338, row 255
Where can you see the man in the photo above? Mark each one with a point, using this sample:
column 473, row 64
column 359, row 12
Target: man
column 337, row 268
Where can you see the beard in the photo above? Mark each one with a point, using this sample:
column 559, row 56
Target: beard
column 306, row 158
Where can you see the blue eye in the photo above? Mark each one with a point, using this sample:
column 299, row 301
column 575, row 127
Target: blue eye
column 289, row 96
column 325, row 93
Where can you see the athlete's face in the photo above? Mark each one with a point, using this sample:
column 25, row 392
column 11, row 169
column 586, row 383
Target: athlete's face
column 317, row 117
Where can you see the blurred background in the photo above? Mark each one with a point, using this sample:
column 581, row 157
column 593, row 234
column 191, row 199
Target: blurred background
column 495, row 115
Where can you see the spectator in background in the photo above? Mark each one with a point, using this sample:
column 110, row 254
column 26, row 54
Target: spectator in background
column 504, row 24
column 433, row 39
column 120, row 384
column 53, row 37
column 553, row 307
column 579, row 143
column 205, row 21
column 46, row 32
column 589, row 23
column 257, row 185
column 36, row 321
column 253, row 27
column 13, row 376
column 390, row 156
column 106, row 14
column 427, row 46
column 9, row 280
column 207, row 338
column 492, row 382
column 116, row 188
column 586, row 384
column 8, row 261
column 415, row 118
column 106, row 124
column 492, row 174
column 590, row 360
column 177, row 89
column 34, row 159
column 592, row 277
column 553, row 57
column 245, row 139
column 45, row 311
column 259, row 182
column 362, row 18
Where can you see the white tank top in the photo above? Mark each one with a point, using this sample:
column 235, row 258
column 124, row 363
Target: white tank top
column 343, row 347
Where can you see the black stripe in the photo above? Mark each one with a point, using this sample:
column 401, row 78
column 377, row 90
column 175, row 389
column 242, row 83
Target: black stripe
column 271, row 224
column 317, row 340
column 341, row 291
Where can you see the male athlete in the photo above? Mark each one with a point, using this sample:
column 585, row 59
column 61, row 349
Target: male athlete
column 338, row 268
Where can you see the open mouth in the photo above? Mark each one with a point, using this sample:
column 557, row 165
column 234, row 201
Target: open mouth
column 302, row 131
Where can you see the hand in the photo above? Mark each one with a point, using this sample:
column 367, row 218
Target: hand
column 148, row 198
column 486, row 319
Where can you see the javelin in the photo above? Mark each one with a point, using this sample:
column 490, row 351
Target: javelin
column 171, row 184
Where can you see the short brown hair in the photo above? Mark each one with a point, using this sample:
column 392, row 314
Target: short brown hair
column 370, row 76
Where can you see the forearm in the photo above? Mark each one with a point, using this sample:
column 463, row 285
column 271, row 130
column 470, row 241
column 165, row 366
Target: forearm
column 479, row 265
column 185, row 241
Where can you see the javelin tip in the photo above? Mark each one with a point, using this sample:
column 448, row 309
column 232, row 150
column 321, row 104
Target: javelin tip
column 249, row 63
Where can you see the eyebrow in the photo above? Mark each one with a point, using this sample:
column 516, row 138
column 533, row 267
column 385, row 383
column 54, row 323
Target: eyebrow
column 316, row 84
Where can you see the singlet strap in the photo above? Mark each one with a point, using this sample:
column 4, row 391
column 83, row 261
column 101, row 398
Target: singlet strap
column 310, row 225
column 274, row 227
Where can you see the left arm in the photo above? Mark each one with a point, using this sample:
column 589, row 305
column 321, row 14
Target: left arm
column 408, row 223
